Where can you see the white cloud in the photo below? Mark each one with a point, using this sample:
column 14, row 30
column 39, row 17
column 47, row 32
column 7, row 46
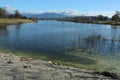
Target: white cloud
column 70, row 12
column 96, row 13
column 73, row 12
column 9, row 9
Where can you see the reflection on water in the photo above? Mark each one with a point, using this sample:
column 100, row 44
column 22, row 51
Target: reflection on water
column 97, row 44
column 115, row 26
column 54, row 37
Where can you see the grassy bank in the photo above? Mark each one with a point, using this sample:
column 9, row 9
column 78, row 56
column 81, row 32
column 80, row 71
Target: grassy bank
column 5, row 21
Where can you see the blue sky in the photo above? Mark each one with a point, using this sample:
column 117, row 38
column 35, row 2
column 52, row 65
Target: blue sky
column 73, row 7
column 80, row 5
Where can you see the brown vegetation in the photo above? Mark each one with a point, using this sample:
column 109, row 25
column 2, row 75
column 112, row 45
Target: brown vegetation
column 5, row 21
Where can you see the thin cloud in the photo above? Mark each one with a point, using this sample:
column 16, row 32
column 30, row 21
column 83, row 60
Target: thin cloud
column 9, row 9
column 70, row 12
column 73, row 12
column 96, row 13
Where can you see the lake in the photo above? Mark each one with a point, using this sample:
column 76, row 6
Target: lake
column 55, row 38
column 58, row 37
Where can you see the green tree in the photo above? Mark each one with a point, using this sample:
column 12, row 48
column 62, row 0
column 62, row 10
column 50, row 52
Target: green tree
column 116, row 17
column 17, row 14
column 102, row 18
column 3, row 13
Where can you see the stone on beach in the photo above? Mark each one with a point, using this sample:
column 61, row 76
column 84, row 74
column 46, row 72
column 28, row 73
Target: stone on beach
column 25, row 68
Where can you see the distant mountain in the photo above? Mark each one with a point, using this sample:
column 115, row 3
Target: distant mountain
column 66, row 14
column 46, row 15
column 53, row 14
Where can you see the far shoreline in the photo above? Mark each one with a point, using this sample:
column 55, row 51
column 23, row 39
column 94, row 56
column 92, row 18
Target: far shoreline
column 95, row 22
column 88, row 22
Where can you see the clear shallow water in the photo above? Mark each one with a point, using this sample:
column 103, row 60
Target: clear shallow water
column 56, row 38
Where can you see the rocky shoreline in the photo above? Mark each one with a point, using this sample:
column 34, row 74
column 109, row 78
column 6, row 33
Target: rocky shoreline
column 14, row 67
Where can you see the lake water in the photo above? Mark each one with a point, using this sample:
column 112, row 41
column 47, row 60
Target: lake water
column 56, row 38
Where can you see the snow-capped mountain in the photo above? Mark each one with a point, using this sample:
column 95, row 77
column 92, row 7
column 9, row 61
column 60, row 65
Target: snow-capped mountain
column 67, row 13
column 52, row 14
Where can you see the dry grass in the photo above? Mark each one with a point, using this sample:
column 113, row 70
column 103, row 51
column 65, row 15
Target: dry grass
column 14, row 21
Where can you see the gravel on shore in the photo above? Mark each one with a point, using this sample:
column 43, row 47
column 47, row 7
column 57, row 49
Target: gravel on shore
column 14, row 67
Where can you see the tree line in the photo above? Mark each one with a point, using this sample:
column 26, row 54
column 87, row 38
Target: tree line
column 116, row 17
column 16, row 14
column 93, row 19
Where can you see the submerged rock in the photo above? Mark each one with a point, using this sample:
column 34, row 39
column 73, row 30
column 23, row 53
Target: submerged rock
column 23, row 58
column 27, row 66
column 10, row 62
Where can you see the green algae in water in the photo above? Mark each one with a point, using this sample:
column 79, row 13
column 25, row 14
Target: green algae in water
column 77, row 59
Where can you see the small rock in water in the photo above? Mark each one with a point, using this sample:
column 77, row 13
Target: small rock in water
column 26, row 59
column 27, row 66
column 55, row 63
column 50, row 62
column 10, row 62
